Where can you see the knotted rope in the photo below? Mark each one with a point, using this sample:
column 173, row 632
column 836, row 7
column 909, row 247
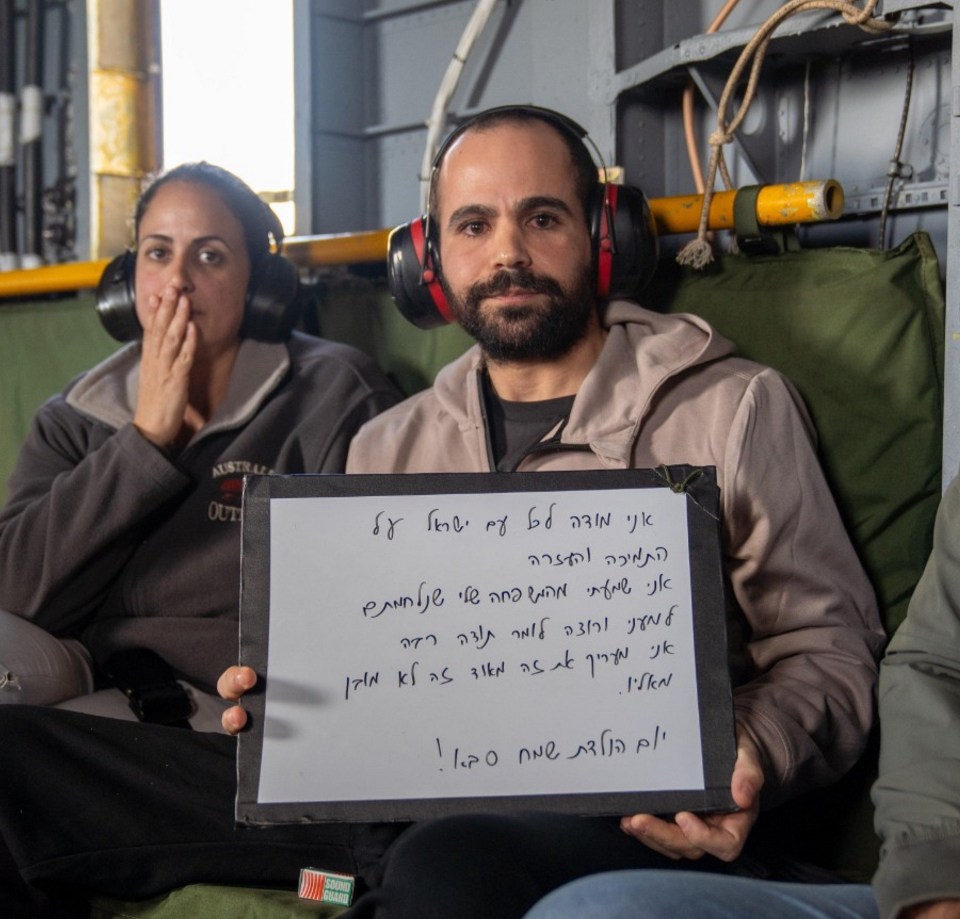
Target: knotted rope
column 698, row 253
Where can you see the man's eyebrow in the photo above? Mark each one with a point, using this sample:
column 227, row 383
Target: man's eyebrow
column 526, row 205
column 537, row 202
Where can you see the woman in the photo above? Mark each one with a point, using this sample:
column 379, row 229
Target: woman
column 122, row 526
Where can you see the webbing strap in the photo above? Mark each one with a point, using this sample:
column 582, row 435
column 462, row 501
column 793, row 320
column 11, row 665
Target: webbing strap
column 751, row 238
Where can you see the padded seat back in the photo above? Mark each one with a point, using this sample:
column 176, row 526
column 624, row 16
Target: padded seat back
column 860, row 333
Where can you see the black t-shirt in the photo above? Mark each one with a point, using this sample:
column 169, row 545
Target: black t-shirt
column 515, row 427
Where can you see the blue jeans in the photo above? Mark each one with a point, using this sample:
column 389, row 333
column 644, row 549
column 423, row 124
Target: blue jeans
column 678, row 894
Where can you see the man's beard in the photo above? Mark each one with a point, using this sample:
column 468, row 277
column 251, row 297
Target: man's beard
column 523, row 332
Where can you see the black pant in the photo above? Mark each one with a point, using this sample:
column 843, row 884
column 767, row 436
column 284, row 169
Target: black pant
column 133, row 810
column 477, row 866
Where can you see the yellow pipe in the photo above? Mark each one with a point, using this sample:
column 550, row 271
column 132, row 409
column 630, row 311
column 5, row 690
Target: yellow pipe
column 51, row 278
column 777, row 205
column 337, row 248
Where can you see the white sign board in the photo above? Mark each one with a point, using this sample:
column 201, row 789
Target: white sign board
column 431, row 644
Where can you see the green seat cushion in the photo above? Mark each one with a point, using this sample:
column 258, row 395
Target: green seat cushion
column 860, row 333
column 43, row 345
column 362, row 313
column 209, row 901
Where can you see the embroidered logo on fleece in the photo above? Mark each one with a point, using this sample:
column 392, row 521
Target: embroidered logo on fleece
column 229, row 478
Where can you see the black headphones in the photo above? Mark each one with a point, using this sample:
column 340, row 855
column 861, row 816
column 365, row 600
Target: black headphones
column 622, row 232
column 271, row 310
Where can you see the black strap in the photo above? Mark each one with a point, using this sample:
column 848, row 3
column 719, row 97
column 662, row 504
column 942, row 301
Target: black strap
column 752, row 239
column 149, row 683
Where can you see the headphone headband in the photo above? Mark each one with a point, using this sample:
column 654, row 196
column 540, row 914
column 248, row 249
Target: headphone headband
column 563, row 123
column 622, row 231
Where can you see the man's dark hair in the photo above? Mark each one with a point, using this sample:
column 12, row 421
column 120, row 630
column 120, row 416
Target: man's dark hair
column 586, row 173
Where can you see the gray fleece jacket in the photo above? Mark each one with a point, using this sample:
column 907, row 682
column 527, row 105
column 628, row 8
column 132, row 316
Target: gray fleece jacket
column 106, row 538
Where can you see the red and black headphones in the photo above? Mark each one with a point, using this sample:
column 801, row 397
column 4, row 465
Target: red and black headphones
column 622, row 233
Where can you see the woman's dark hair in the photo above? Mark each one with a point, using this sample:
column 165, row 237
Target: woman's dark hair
column 259, row 222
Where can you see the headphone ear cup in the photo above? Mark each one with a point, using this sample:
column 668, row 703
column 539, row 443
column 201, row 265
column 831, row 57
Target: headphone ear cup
column 625, row 240
column 413, row 274
column 116, row 300
column 273, row 300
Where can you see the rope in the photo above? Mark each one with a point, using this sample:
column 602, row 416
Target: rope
column 698, row 253
column 896, row 167
column 689, row 128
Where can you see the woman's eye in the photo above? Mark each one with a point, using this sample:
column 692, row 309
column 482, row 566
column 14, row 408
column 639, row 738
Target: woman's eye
column 210, row 257
column 155, row 253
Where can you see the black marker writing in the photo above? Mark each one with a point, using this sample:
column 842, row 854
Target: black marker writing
column 420, row 602
column 534, row 520
column 546, row 750
column 590, row 521
column 391, row 524
column 648, row 682
column 613, row 658
column 481, row 636
column 470, row 595
column 436, row 525
column 488, row 670
column 547, row 592
column 587, row 627
column 417, row 641
column 500, row 526
column 663, row 647
column 354, row 683
column 605, row 746
column 641, row 622
column 645, row 743
column 609, row 589
column 510, row 595
column 639, row 520
column 464, row 760
column 641, row 558
column 660, row 583
column 559, row 559
column 534, row 630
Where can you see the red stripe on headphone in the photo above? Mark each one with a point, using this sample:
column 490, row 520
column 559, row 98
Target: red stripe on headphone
column 427, row 273
column 605, row 245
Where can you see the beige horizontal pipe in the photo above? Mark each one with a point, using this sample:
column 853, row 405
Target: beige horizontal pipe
column 777, row 205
